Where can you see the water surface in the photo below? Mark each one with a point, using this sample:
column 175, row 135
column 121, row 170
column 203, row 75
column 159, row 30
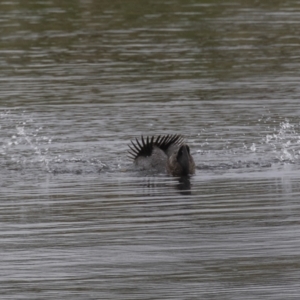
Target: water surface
column 80, row 80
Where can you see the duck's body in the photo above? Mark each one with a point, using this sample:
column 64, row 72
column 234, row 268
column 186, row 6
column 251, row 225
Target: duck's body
column 164, row 154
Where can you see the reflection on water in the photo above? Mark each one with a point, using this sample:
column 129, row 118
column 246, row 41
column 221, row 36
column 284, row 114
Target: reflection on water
column 79, row 80
column 184, row 185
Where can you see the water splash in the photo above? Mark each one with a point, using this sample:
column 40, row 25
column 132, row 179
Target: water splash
column 25, row 145
column 284, row 142
column 23, row 140
column 35, row 142
column 253, row 147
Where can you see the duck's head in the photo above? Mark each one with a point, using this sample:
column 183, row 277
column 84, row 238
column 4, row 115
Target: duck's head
column 183, row 158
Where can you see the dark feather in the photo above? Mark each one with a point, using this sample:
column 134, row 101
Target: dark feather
column 145, row 147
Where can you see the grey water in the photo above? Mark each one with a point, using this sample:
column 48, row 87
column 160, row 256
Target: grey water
column 79, row 80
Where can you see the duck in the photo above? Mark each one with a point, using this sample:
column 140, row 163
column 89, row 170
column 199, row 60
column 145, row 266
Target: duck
column 163, row 154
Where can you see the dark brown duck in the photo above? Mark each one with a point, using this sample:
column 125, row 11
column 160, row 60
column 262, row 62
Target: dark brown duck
column 166, row 153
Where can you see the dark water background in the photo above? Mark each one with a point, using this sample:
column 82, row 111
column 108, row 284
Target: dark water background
column 79, row 80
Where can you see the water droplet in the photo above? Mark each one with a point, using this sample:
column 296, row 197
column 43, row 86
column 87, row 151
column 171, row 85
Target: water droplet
column 253, row 147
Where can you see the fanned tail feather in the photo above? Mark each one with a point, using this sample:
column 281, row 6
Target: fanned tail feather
column 145, row 147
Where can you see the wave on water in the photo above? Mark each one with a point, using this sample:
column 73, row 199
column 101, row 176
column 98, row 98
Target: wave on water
column 28, row 143
column 276, row 144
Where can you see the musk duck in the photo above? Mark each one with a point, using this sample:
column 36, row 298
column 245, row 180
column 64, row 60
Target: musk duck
column 164, row 154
